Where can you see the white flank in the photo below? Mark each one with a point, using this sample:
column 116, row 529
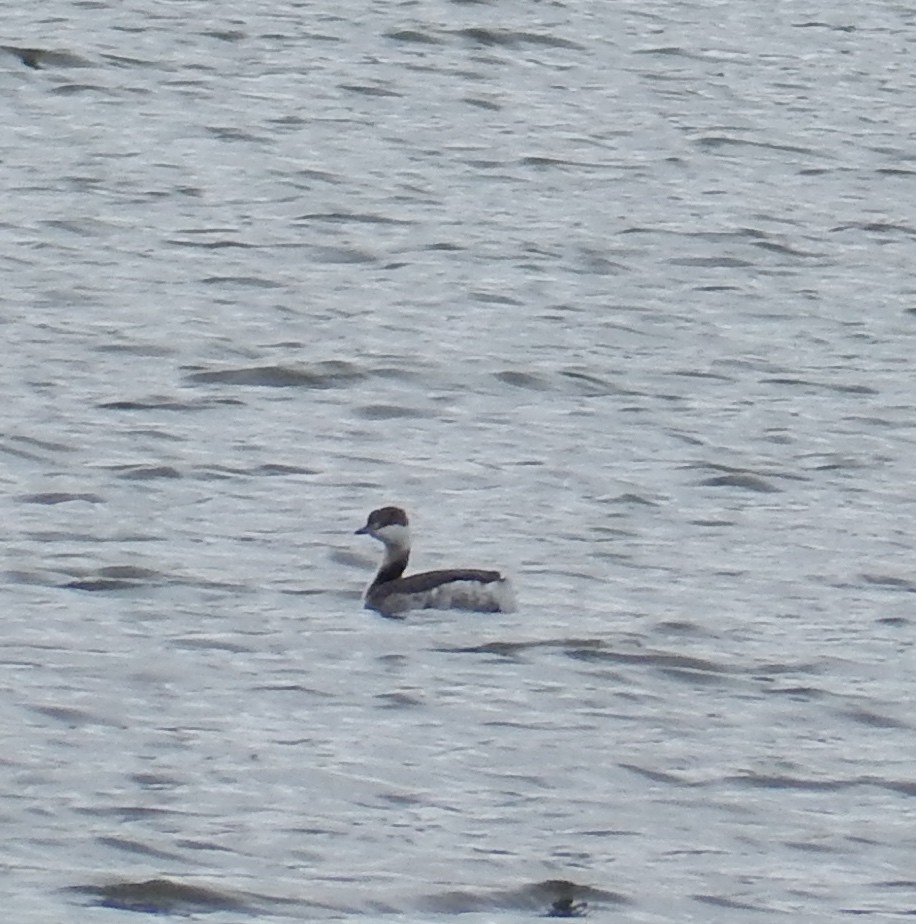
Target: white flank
column 495, row 597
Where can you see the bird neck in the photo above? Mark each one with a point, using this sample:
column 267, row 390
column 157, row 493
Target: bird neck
column 393, row 564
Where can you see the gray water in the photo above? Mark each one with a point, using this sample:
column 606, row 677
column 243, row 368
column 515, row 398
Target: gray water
column 617, row 297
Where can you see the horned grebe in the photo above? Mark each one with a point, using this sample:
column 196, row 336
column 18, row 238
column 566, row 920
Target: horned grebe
column 456, row 589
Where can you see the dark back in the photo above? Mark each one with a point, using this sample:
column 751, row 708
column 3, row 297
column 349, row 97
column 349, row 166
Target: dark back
column 428, row 580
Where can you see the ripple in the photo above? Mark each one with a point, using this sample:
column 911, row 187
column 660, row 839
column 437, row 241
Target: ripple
column 670, row 663
column 597, row 650
column 37, row 58
column 519, row 379
column 721, row 901
column 746, row 482
column 369, row 89
column 572, row 381
column 659, row 776
column 342, row 255
column 784, row 781
column 117, row 577
column 890, row 582
column 398, row 700
column 146, row 472
column 746, row 479
column 508, row 38
column 414, row 36
column 873, row 719
column 166, row 404
column 390, row 412
column 345, row 218
column 137, row 848
column 321, row 375
column 52, row 498
column 72, row 717
column 250, row 282
column 843, row 388
column 513, row 649
column 551, row 897
column 209, row 643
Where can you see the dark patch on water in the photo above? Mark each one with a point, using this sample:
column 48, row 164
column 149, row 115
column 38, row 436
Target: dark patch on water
column 823, row 386
column 895, row 621
column 163, row 896
column 224, row 35
column 510, row 39
column 117, row 577
column 597, row 650
column 730, row 262
column 588, row 385
column 874, row 719
column 680, row 627
column 320, row 375
column 446, row 246
column 38, row 58
column 632, row 500
column 137, row 848
column 721, row 901
column 365, row 218
column 783, row 781
column 890, row 582
column 250, row 282
column 390, row 412
column 95, row 585
column 904, row 787
column 895, row 171
column 209, row 643
column 74, row 718
column 879, row 227
column 514, row 649
column 135, row 349
column 802, row 694
column 344, row 255
column 397, row 700
column 714, row 142
column 552, row 898
column 659, row 776
column 816, row 24
column 146, row 472
column 808, row 847
column 670, row 663
column 278, row 468
column 413, row 36
column 218, row 244
column 166, row 404
column 524, row 380
column 367, row 90
column 52, row 498
column 494, row 298
column 73, row 89
column 155, row 780
column 202, row 845
column 744, row 481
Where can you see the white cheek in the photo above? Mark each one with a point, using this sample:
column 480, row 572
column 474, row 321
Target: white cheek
column 394, row 534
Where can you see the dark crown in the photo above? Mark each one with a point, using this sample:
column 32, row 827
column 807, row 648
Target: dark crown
column 387, row 516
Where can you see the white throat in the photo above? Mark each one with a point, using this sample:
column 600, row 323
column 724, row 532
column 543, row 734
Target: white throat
column 396, row 539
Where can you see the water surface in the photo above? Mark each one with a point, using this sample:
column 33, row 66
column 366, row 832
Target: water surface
column 615, row 297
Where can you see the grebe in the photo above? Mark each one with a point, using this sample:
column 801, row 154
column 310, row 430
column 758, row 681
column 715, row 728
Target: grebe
column 456, row 589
